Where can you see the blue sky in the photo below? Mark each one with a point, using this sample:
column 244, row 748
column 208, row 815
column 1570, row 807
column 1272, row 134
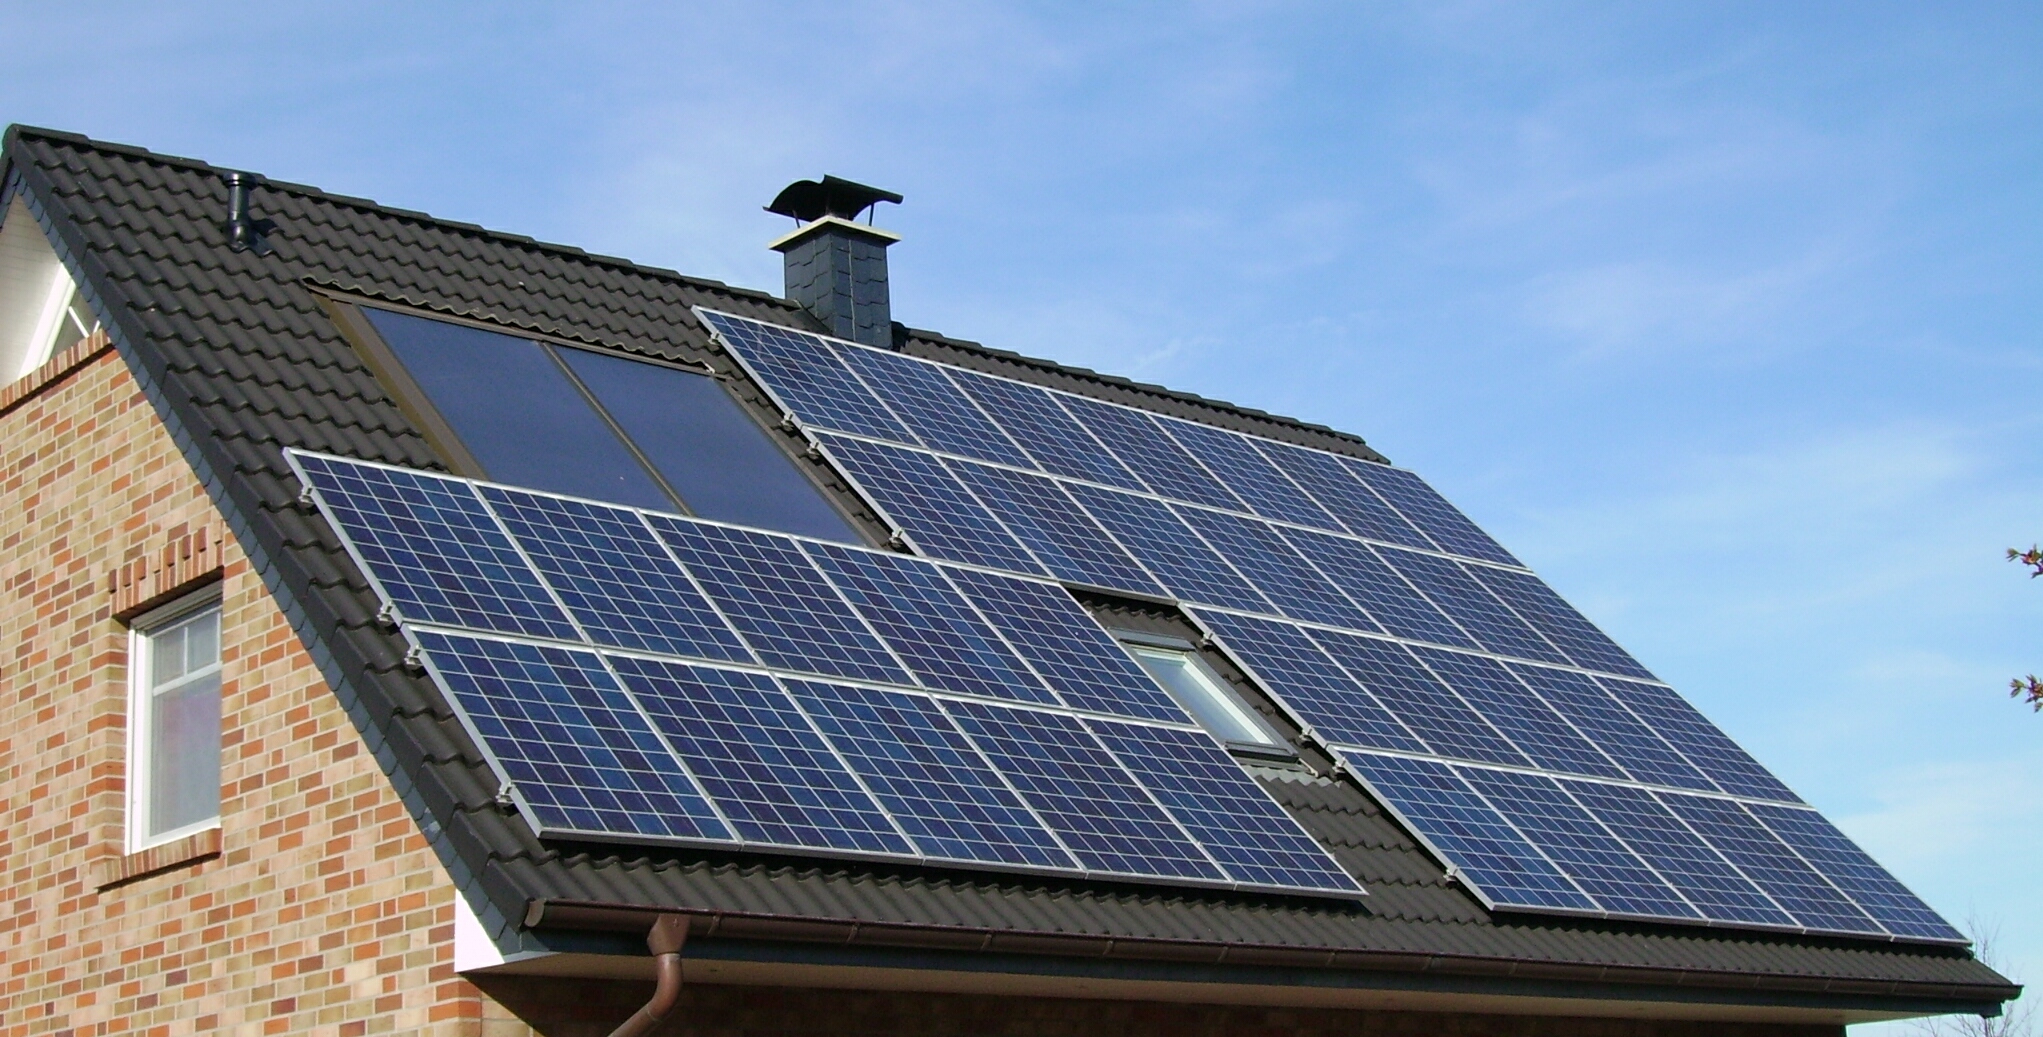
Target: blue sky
column 1724, row 318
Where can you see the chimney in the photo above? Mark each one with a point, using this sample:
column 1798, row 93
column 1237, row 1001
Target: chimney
column 837, row 269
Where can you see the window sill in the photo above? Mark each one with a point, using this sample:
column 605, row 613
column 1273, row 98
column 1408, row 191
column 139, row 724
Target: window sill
column 53, row 370
column 193, row 848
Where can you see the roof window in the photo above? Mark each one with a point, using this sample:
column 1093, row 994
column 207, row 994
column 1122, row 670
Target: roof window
column 41, row 311
column 1176, row 665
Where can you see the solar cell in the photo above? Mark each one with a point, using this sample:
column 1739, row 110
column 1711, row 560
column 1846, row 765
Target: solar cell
column 1475, row 840
column 434, row 551
column 919, row 766
column 1603, row 867
column 1591, row 648
column 1067, row 647
column 1343, row 494
column 1522, row 716
column 1644, row 755
column 1360, row 572
column 1429, row 708
column 1851, row 870
column 1692, row 734
column 614, row 576
column 1045, row 519
column 1164, row 545
column 1684, row 860
column 928, row 624
column 1234, row 460
column 1107, row 820
column 1473, row 607
column 941, row 417
column 1315, row 688
column 1155, row 458
column 1275, row 568
column 805, row 374
column 1032, row 418
column 1214, row 799
column 1757, row 852
column 933, row 510
column 779, row 602
column 580, row 757
column 1429, row 511
column 756, row 755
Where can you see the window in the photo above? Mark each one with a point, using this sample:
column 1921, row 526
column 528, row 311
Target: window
column 1176, row 665
column 174, row 722
column 41, row 311
column 552, row 417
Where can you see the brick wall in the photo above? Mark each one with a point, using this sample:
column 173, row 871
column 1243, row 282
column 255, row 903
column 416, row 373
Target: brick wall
column 320, row 911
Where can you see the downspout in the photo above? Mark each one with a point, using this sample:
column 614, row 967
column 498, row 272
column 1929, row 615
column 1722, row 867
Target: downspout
column 669, row 934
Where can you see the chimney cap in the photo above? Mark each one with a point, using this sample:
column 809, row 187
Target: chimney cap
column 831, row 196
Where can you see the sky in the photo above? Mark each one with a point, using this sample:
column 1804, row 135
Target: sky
column 1720, row 316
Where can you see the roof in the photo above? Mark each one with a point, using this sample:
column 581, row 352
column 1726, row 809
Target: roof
column 241, row 362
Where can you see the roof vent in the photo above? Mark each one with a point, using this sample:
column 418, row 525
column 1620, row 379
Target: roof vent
column 245, row 234
column 837, row 269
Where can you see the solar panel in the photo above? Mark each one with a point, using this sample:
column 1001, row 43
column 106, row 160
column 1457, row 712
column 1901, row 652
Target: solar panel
column 1855, row 873
column 1164, row 545
column 929, row 624
column 1274, row 568
column 756, row 755
column 805, row 374
column 940, row 417
column 1522, row 716
column 1234, row 460
column 1603, row 867
column 1139, row 443
column 1475, row 609
column 1645, row 756
column 1591, row 648
column 1343, row 494
column 1311, row 685
column 938, row 788
column 1110, row 823
column 1757, row 852
column 1475, row 840
column 1691, row 734
column 779, row 602
column 614, row 576
column 1360, row 572
column 1417, row 698
column 1050, row 524
column 1032, row 418
column 433, row 550
column 1208, row 793
column 1064, row 644
column 1426, row 509
column 932, row 509
column 1684, row 860
column 580, row 757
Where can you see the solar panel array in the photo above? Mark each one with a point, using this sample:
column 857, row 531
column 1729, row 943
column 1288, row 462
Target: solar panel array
column 1533, row 754
column 646, row 677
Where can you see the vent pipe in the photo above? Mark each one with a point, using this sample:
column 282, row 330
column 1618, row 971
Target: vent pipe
column 836, row 268
column 245, row 233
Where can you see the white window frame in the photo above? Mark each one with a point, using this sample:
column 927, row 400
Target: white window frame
column 141, row 700
column 1218, row 692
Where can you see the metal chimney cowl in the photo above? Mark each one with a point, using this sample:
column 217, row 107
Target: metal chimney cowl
column 837, row 269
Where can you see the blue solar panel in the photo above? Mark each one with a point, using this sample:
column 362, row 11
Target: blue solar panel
column 1046, row 519
column 1066, row 646
column 938, row 788
column 1850, row 869
column 1474, row 838
column 1662, row 840
column 433, row 549
column 758, row 758
column 1155, row 458
column 1743, row 841
column 1231, row 816
column 780, row 604
column 926, row 502
column 1167, row 547
column 615, row 577
column 1429, row 511
column 929, row 624
column 1522, row 716
column 1360, row 572
column 578, row 753
column 1429, row 708
column 1591, row 648
column 1705, row 745
column 1233, row 458
column 805, row 373
column 1274, row 568
column 1604, row 868
column 1343, row 494
column 1033, row 419
column 1633, row 745
column 1107, row 820
column 941, row 417
column 1294, row 669
column 1474, row 608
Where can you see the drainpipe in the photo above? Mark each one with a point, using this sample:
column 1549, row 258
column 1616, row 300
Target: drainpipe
column 666, row 939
